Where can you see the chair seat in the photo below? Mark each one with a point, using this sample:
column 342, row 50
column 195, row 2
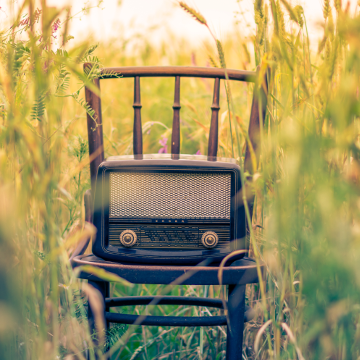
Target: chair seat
column 241, row 272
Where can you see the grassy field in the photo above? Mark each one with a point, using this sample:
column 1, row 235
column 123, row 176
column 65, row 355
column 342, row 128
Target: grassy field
column 306, row 221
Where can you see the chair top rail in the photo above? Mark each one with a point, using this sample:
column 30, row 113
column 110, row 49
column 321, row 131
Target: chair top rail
column 183, row 71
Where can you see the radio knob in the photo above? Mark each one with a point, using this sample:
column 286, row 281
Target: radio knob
column 128, row 238
column 209, row 239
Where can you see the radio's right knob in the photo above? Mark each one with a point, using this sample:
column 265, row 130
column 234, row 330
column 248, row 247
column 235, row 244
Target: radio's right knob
column 128, row 238
column 209, row 239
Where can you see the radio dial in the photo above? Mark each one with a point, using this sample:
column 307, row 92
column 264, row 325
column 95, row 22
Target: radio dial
column 128, row 238
column 209, row 239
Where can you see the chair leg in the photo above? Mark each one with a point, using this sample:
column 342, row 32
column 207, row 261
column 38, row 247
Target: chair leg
column 236, row 310
column 103, row 288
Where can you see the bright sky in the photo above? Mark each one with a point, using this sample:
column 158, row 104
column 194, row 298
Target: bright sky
column 128, row 17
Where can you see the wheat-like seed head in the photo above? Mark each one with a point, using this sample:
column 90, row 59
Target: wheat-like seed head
column 221, row 54
column 193, row 13
column 280, row 18
column 291, row 11
column 213, row 62
column 299, row 11
column 266, row 14
column 326, row 9
column 337, row 4
column 259, row 11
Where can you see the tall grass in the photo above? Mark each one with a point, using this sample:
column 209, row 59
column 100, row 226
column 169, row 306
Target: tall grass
column 307, row 205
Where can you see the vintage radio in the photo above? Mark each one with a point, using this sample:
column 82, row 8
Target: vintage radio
column 167, row 209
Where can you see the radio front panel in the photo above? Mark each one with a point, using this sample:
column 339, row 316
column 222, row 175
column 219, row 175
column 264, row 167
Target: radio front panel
column 168, row 236
column 166, row 214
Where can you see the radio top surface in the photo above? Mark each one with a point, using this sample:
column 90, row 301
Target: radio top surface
column 168, row 157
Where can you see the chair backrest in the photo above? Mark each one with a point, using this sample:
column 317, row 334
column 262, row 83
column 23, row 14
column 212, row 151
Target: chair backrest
column 95, row 131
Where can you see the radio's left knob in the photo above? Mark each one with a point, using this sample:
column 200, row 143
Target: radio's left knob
column 209, row 239
column 128, row 238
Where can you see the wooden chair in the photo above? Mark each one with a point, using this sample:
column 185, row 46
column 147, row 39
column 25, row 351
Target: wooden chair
column 237, row 275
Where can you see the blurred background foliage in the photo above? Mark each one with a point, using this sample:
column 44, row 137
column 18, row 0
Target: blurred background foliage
column 306, row 217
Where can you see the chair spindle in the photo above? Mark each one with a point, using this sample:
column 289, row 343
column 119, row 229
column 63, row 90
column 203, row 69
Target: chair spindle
column 95, row 131
column 214, row 125
column 137, row 134
column 175, row 137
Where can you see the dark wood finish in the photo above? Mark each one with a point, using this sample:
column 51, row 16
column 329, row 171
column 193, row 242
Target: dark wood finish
column 166, row 320
column 88, row 206
column 236, row 318
column 95, row 128
column 214, row 125
column 237, row 275
column 95, row 132
column 137, row 135
column 175, row 137
column 169, row 320
column 165, row 300
column 104, row 289
column 257, row 117
column 184, row 71
column 240, row 272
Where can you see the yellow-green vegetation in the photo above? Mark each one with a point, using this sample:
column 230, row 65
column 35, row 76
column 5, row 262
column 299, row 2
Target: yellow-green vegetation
column 306, row 221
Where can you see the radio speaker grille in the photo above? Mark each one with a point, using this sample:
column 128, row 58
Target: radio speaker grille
column 170, row 195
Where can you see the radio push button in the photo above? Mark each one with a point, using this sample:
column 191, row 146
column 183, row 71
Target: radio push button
column 128, row 238
column 209, row 239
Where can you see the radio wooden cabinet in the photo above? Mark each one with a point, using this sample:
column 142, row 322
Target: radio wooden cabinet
column 164, row 211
